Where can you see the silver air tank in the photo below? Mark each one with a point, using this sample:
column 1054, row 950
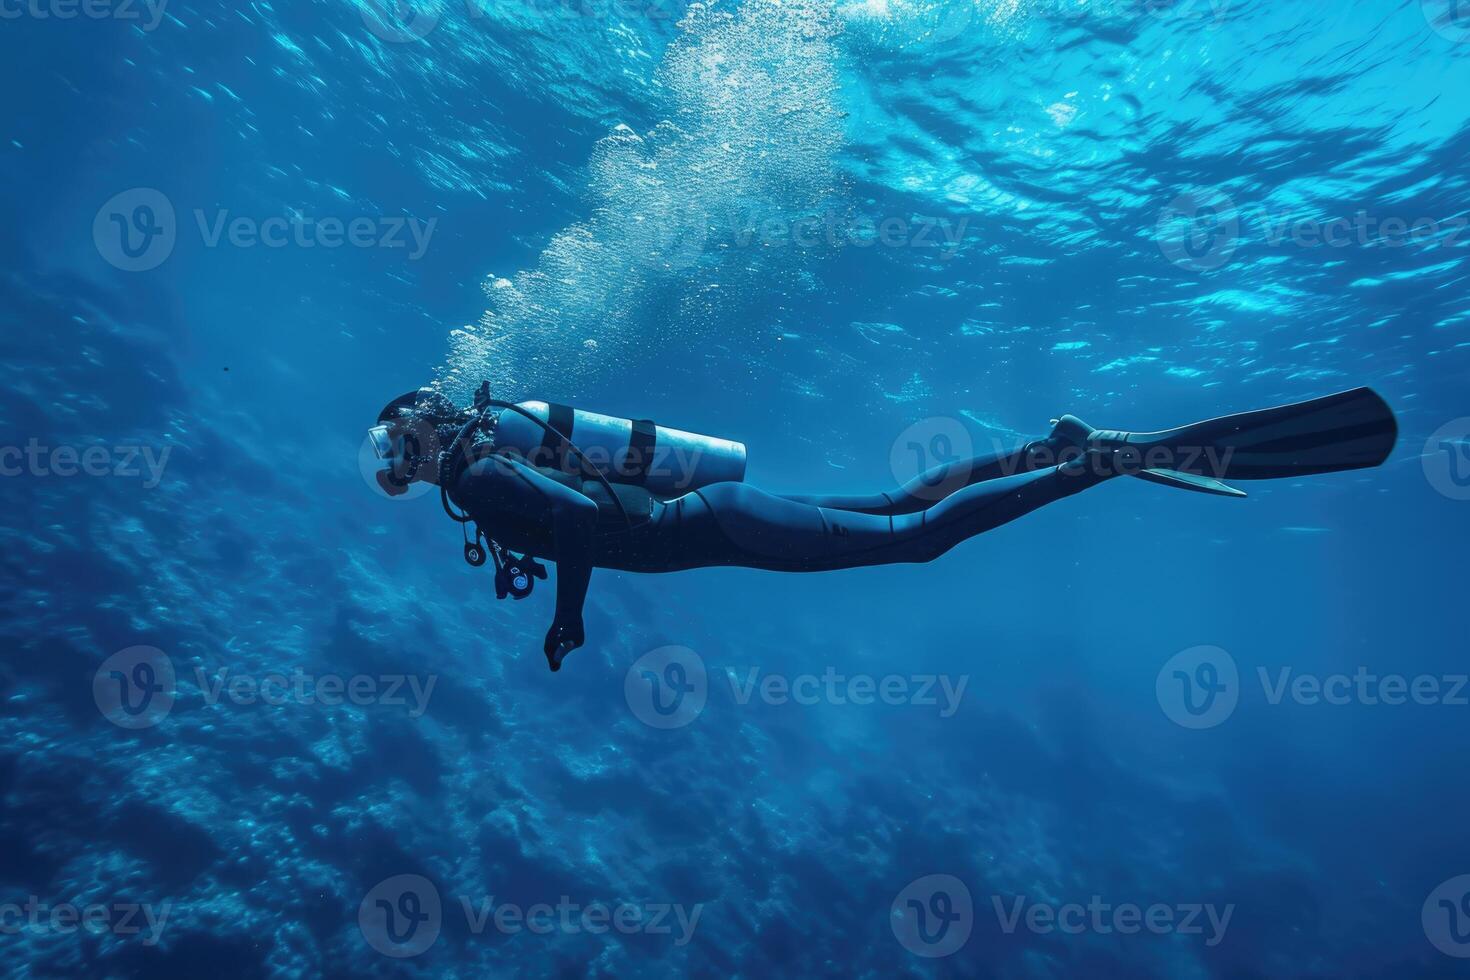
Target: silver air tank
column 667, row 462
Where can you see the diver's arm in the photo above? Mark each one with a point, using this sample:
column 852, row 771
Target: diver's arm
column 516, row 488
column 574, row 526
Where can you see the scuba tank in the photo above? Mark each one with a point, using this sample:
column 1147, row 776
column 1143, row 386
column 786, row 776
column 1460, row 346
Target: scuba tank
column 665, row 462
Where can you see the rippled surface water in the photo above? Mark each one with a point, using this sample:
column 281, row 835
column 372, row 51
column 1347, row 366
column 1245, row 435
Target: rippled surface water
column 834, row 232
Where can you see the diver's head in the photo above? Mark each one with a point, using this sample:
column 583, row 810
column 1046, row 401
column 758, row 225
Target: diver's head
column 411, row 430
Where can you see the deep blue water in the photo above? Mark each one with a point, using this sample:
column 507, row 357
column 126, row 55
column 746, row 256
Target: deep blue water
column 832, row 232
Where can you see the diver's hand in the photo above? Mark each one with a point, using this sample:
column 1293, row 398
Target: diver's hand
column 562, row 639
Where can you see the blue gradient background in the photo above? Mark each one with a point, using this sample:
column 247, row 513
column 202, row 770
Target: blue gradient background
column 1058, row 135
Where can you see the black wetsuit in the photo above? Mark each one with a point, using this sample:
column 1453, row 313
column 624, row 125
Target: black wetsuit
column 571, row 520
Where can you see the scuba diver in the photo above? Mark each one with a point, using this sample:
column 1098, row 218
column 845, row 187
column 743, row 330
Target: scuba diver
column 590, row 491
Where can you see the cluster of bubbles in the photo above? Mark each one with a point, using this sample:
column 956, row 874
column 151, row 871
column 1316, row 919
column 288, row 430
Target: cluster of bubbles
column 752, row 129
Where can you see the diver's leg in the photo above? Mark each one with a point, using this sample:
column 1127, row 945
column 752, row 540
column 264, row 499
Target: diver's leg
column 926, row 535
column 1347, row 431
column 937, row 483
column 737, row 524
column 1350, row 430
column 924, row 490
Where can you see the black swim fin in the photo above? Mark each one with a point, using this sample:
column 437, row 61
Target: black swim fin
column 1189, row 481
column 1347, row 431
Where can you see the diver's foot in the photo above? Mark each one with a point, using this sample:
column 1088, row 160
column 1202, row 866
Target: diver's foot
column 1069, row 430
column 1094, row 461
column 1106, row 453
column 1076, row 448
column 1069, row 439
column 1105, row 457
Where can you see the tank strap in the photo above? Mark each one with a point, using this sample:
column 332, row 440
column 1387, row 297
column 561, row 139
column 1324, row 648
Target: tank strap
column 552, row 452
column 641, row 445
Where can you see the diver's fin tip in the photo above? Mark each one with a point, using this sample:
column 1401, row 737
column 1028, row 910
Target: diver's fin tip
column 1190, row 481
column 1385, row 416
